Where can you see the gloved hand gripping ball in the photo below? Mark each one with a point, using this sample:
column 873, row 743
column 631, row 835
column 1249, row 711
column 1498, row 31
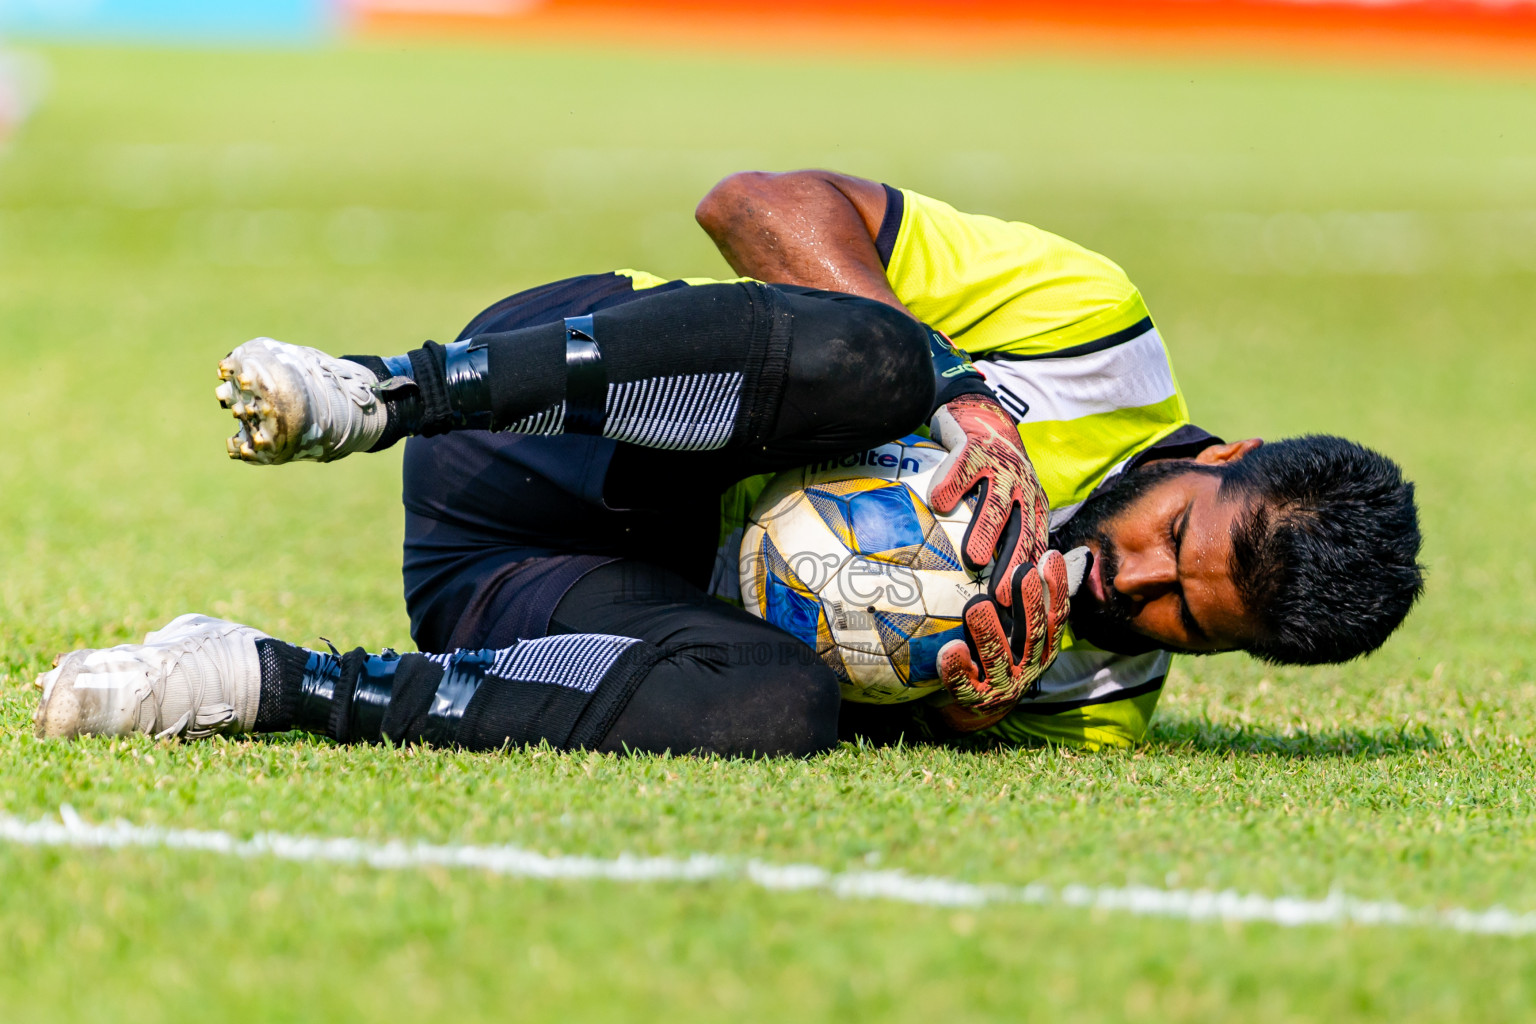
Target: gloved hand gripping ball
column 1012, row 516
column 1009, row 661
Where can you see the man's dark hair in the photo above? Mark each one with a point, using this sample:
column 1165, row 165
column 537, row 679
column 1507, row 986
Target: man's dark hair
column 1326, row 556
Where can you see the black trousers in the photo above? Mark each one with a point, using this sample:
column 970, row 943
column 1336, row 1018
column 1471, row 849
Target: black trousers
column 516, row 537
column 729, row 683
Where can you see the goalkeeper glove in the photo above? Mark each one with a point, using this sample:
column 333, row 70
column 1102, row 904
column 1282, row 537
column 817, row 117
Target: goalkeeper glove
column 1009, row 661
column 1012, row 515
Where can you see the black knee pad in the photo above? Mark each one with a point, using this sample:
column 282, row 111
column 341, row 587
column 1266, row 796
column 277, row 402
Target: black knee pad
column 906, row 364
column 809, row 697
column 859, row 370
column 762, row 695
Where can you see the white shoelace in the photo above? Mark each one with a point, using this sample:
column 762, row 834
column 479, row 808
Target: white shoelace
column 200, row 719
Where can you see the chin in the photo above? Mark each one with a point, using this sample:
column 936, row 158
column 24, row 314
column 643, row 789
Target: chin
column 1095, row 627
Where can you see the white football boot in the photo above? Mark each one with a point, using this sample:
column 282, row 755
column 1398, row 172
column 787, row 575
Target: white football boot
column 296, row 403
column 192, row 678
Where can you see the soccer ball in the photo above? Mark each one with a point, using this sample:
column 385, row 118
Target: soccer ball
column 847, row 556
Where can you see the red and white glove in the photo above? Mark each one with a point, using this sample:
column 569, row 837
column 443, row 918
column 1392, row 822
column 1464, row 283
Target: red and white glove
column 985, row 451
column 1009, row 661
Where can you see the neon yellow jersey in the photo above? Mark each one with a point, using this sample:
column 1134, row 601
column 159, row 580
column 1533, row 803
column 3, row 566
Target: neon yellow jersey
column 1066, row 342
column 998, row 286
column 1064, row 337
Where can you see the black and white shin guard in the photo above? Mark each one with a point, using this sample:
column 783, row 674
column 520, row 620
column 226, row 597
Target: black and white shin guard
column 689, row 370
column 562, row 690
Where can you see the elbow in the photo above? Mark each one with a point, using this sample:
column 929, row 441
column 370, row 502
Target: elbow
column 721, row 204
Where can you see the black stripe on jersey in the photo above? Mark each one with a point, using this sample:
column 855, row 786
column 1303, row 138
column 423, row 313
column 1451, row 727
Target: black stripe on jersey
column 890, row 225
column 1057, row 707
column 1120, row 337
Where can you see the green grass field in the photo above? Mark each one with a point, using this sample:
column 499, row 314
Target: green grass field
column 1345, row 251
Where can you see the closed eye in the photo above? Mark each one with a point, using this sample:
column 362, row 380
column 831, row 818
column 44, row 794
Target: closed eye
column 1179, row 527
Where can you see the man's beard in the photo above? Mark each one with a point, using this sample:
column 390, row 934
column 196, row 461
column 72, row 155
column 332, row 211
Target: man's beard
column 1107, row 625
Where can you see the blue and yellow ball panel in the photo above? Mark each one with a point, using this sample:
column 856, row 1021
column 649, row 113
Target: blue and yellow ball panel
column 935, row 554
column 884, row 520
column 894, row 628
column 872, row 517
column 830, row 500
column 787, row 602
column 923, row 648
column 833, row 657
column 912, row 643
column 795, row 613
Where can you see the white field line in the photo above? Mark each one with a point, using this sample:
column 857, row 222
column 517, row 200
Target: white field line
column 896, row 886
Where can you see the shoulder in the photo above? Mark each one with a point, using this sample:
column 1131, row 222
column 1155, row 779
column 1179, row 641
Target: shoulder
column 921, row 223
column 1001, row 285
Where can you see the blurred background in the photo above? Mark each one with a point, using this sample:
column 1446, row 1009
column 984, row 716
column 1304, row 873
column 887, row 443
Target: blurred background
column 1429, row 25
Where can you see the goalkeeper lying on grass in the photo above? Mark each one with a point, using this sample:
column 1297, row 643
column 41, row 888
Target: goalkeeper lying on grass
column 580, row 464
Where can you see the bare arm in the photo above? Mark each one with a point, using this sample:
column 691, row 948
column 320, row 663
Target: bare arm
column 810, row 228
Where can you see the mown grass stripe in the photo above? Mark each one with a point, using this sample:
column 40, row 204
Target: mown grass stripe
column 895, row 886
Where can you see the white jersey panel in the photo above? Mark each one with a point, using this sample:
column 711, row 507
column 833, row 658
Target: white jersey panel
column 1131, row 374
column 1087, row 675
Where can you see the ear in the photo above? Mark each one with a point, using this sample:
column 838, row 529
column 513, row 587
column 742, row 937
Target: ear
column 1217, row 454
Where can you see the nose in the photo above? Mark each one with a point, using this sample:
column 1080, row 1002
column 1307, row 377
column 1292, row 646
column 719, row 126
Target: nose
column 1145, row 575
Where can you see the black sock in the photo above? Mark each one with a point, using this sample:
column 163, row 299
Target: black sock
column 282, row 682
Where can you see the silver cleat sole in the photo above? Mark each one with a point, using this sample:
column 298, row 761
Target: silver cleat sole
column 89, row 692
column 298, row 404
column 270, row 412
column 58, row 710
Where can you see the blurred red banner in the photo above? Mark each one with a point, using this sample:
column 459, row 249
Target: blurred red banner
column 1428, row 28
